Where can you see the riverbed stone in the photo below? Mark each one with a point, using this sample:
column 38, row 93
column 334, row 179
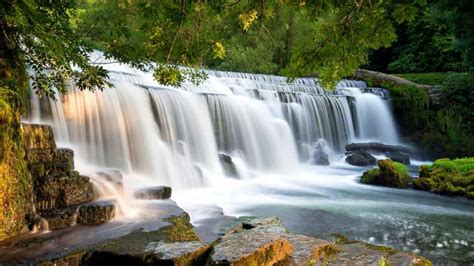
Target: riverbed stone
column 177, row 253
column 97, row 212
column 157, row 192
column 361, row 158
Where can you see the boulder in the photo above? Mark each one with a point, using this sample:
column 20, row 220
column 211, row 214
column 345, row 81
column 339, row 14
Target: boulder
column 177, row 253
column 361, row 158
column 389, row 174
column 97, row 212
column 398, row 156
column 58, row 192
column 228, row 165
column 320, row 158
column 251, row 247
column 37, row 136
column 158, row 192
column 376, row 147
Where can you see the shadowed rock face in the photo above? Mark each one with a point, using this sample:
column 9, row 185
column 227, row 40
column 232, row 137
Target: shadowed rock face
column 37, row 136
column 397, row 156
column 228, row 165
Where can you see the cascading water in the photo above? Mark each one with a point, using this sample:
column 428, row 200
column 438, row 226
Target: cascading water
column 172, row 136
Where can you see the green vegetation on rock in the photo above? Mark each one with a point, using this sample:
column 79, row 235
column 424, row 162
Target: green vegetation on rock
column 389, row 174
column 15, row 183
column 448, row 177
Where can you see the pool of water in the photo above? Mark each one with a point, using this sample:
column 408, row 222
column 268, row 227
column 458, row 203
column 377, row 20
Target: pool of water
column 318, row 201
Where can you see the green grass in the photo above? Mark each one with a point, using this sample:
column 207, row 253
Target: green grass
column 463, row 166
column 433, row 78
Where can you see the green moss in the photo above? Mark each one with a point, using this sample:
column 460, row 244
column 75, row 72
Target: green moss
column 389, row 174
column 369, row 176
column 448, row 177
column 15, row 183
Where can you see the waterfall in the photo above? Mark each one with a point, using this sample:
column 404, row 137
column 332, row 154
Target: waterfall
column 159, row 134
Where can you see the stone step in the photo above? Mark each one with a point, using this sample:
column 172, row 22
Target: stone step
column 58, row 218
column 158, row 192
column 49, row 155
column 37, row 136
column 54, row 168
column 59, row 192
column 309, row 250
column 97, row 212
column 177, row 253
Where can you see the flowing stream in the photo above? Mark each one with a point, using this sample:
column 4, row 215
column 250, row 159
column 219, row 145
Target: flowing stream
column 159, row 135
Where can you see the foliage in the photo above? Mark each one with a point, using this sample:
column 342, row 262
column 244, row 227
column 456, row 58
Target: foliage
column 448, row 177
column 430, row 78
column 38, row 33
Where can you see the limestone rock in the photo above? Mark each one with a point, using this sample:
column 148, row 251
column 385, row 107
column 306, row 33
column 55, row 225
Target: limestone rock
column 361, row 158
column 96, row 212
column 228, row 165
column 37, row 136
column 58, row 192
column 251, row 247
column 53, row 168
column 309, row 250
column 177, row 253
column 398, row 156
column 158, row 192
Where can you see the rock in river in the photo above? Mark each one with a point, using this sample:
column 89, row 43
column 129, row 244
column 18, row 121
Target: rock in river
column 361, row 158
column 158, row 192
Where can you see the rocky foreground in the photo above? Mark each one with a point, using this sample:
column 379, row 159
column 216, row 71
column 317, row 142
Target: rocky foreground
column 169, row 239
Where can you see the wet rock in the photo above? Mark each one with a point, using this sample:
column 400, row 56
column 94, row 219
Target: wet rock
column 309, row 250
column 361, row 158
column 96, row 212
column 177, row 253
column 398, row 156
column 251, row 247
column 59, row 218
column 376, row 147
column 37, row 136
column 389, row 174
column 58, row 192
column 158, row 192
column 320, row 158
column 228, row 165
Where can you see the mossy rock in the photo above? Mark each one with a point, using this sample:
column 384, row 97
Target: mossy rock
column 389, row 174
column 16, row 197
column 448, row 177
column 36, row 136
